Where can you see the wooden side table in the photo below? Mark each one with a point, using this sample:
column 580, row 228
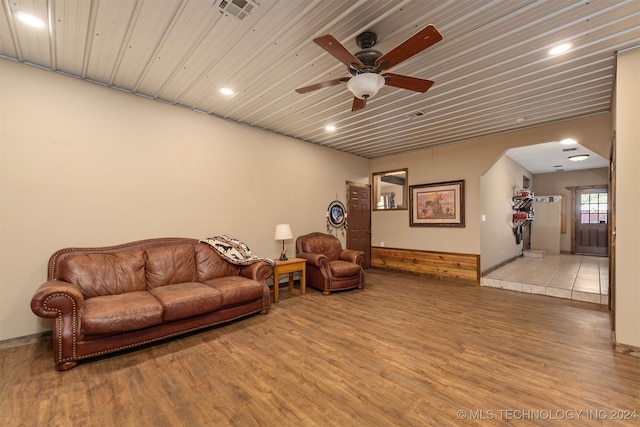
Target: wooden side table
column 289, row 266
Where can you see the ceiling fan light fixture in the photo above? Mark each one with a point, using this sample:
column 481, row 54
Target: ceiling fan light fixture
column 579, row 157
column 365, row 85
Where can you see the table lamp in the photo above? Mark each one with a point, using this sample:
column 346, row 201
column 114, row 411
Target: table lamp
column 283, row 232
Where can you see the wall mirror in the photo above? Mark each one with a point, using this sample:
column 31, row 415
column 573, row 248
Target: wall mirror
column 390, row 190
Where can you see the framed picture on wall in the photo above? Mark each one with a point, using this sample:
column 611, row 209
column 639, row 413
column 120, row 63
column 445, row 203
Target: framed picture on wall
column 437, row 205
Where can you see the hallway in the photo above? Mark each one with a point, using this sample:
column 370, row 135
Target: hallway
column 576, row 277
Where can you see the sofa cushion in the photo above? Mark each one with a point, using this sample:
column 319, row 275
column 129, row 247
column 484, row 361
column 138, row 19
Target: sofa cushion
column 100, row 274
column 171, row 264
column 184, row 300
column 120, row 313
column 236, row 289
column 344, row 269
column 210, row 265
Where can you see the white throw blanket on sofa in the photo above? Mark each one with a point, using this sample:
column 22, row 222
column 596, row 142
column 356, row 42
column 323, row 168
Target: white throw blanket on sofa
column 233, row 250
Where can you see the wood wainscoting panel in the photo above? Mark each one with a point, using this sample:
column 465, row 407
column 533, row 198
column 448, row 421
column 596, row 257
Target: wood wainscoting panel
column 463, row 268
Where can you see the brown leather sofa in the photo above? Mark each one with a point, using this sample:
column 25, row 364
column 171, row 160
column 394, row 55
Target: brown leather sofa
column 329, row 267
column 108, row 299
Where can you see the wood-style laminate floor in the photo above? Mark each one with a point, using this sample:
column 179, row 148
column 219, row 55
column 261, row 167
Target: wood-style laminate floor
column 405, row 351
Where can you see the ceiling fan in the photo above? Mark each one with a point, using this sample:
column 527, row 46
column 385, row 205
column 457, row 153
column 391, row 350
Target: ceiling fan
column 367, row 65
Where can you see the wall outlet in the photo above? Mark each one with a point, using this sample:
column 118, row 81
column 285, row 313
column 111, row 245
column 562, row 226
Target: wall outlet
column 382, row 244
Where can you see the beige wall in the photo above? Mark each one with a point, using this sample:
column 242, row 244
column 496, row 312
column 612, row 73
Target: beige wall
column 549, row 184
column 627, row 267
column 469, row 160
column 85, row 165
column 498, row 243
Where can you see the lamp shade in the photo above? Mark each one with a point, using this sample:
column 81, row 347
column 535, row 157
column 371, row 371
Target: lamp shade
column 365, row 85
column 283, row 232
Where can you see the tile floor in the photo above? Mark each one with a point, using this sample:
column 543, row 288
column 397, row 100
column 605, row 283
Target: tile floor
column 577, row 277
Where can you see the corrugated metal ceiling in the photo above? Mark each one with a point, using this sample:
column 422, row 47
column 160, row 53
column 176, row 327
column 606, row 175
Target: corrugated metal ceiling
column 490, row 69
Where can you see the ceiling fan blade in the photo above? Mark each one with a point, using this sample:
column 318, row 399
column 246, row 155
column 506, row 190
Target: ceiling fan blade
column 358, row 104
column 335, row 48
column 322, row 85
column 406, row 82
column 426, row 37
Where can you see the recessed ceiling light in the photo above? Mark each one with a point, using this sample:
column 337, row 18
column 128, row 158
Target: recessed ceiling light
column 330, row 128
column 568, row 141
column 226, row 91
column 30, row 19
column 578, row 157
column 560, row 49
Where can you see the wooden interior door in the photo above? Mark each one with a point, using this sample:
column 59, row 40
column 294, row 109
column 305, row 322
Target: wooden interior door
column 359, row 219
column 592, row 221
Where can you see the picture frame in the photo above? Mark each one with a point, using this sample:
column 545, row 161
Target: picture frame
column 440, row 204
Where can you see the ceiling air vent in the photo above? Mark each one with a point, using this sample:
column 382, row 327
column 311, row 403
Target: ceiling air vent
column 416, row 114
column 569, row 149
column 238, row 8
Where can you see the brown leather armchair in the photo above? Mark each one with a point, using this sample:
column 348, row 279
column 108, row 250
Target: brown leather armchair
column 329, row 267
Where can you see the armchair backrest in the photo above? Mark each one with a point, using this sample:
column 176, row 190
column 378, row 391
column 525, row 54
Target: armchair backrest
column 320, row 243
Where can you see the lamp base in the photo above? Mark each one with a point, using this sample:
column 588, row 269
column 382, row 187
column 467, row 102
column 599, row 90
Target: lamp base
column 283, row 255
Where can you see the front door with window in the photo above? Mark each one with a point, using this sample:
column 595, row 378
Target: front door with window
column 592, row 222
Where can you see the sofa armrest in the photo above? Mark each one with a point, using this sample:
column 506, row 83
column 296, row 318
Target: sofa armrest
column 318, row 260
column 351, row 255
column 260, row 271
column 57, row 298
